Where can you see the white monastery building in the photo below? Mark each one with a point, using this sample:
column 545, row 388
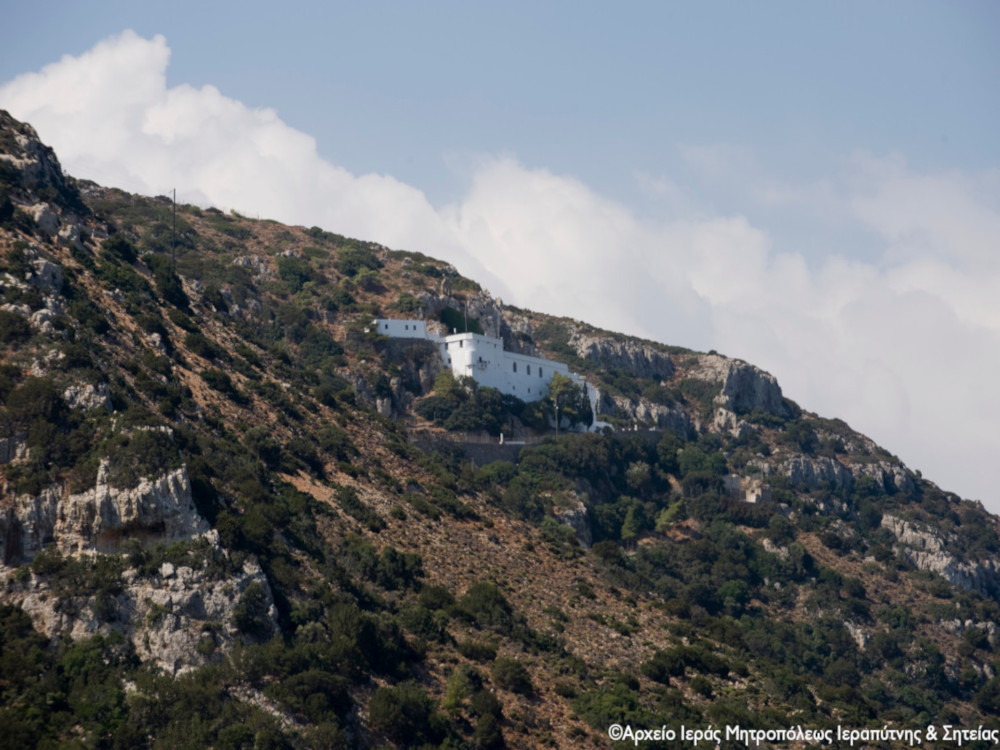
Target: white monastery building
column 484, row 359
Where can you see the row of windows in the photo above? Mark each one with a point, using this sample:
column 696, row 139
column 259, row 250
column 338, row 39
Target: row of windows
column 529, row 369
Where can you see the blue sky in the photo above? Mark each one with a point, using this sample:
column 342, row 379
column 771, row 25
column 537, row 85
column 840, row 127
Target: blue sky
column 580, row 88
column 813, row 187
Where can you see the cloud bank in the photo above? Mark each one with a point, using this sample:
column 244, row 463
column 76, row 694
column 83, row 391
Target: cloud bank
column 905, row 346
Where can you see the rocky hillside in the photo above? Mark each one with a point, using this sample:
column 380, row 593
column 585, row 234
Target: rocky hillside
column 232, row 516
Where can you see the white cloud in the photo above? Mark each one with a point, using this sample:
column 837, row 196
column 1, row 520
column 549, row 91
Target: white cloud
column 906, row 347
column 112, row 119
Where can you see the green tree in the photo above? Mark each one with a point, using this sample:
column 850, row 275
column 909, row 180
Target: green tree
column 569, row 398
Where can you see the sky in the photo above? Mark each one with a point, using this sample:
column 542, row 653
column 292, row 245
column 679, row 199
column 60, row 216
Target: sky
column 811, row 187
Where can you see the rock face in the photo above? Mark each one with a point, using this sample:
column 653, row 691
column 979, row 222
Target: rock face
column 177, row 618
column 13, row 448
column 45, row 218
column 813, row 473
column 645, row 412
column 926, row 551
column 88, row 396
column 726, row 421
column 257, row 265
column 99, row 519
column 46, row 275
column 745, row 388
column 634, row 357
column 577, row 519
column 888, row 477
column 36, row 164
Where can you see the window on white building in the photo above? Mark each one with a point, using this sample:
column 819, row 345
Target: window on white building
column 515, row 366
column 539, row 372
column 529, row 369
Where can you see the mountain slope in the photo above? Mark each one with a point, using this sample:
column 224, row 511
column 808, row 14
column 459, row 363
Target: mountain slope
column 259, row 523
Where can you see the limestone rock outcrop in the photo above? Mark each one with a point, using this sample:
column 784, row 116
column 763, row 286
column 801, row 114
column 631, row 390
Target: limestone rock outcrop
column 46, row 275
column 177, row 618
column 889, row 477
column 642, row 411
column 88, row 396
column 575, row 516
column 37, row 167
column 926, row 551
column 637, row 358
column 745, row 388
column 99, row 519
column 813, row 473
column 728, row 422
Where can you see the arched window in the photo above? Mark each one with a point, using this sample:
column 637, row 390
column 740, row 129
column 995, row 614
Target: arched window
column 529, row 369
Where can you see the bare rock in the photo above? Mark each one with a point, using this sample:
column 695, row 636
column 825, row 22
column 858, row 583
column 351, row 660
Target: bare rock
column 725, row 421
column 813, row 473
column 635, row 357
column 179, row 620
column 14, row 448
column 889, row 477
column 644, row 412
column 41, row 366
column 858, row 633
column 46, row 275
column 258, row 265
column 575, row 516
column 45, row 218
column 70, row 235
column 36, row 164
column 745, row 388
column 926, row 551
column 88, row 397
column 100, row 519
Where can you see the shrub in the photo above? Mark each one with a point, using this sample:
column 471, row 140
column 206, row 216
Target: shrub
column 295, row 272
column 487, row 606
column 478, row 650
column 511, row 675
column 403, row 714
column 347, row 498
column 488, row 735
column 250, row 615
column 117, row 248
column 221, row 382
column 14, row 329
column 352, row 259
column 198, row 344
column 167, row 281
